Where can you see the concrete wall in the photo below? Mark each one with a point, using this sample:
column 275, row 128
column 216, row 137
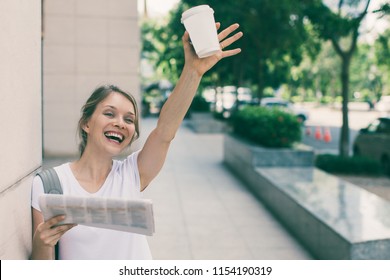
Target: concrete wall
column 86, row 43
column 20, row 117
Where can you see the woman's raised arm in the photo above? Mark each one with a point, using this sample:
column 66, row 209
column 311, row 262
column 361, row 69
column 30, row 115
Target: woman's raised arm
column 153, row 154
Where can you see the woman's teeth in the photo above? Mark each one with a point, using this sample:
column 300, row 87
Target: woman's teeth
column 114, row 136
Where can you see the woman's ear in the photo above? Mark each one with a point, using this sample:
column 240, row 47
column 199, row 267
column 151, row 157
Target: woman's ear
column 85, row 127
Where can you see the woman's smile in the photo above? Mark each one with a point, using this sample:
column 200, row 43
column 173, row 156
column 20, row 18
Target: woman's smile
column 115, row 137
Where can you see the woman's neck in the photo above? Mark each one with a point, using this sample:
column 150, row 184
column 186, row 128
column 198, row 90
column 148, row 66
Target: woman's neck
column 91, row 170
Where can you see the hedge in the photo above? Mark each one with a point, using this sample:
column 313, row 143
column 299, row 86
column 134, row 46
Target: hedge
column 199, row 104
column 268, row 127
column 355, row 165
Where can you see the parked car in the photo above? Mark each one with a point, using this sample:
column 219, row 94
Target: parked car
column 374, row 142
column 230, row 98
column 383, row 106
column 301, row 113
column 154, row 96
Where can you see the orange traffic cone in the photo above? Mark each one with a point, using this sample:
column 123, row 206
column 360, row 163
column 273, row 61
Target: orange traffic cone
column 327, row 136
column 318, row 133
column 308, row 131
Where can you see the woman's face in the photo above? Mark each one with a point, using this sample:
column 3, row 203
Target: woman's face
column 111, row 127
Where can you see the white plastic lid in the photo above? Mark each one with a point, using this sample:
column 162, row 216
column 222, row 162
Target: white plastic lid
column 195, row 10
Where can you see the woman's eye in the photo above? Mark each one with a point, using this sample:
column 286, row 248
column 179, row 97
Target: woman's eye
column 129, row 120
column 108, row 114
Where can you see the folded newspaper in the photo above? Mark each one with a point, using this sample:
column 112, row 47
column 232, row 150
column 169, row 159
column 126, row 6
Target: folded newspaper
column 111, row 213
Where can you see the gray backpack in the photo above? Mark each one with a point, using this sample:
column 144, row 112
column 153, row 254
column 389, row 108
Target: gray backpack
column 51, row 185
column 50, row 180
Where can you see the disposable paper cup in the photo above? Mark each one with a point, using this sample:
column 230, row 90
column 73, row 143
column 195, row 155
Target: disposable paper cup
column 200, row 24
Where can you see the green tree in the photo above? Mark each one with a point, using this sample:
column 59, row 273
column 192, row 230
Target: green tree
column 274, row 40
column 369, row 73
column 270, row 47
column 341, row 28
column 382, row 60
column 365, row 75
column 162, row 48
column 316, row 76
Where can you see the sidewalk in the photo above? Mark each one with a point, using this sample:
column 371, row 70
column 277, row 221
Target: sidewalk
column 204, row 212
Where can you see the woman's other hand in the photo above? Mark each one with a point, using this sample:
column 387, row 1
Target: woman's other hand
column 46, row 236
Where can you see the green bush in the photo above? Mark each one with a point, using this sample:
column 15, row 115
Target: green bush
column 326, row 100
column 267, row 127
column 199, row 104
column 349, row 165
column 218, row 116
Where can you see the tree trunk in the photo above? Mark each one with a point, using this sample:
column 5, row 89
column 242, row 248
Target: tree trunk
column 346, row 57
column 260, row 80
column 344, row 135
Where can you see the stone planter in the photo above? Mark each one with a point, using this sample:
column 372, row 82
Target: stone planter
column 321, row 210
column 205, row 123
column 245, row 160
column 240, row 151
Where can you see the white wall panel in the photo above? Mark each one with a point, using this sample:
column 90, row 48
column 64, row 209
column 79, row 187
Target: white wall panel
column 21, row 122
column 20, row 89
column 87, row 43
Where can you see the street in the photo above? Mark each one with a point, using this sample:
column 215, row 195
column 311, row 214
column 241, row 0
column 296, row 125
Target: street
column 326, row 118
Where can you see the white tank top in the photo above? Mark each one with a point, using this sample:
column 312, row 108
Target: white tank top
column 90, row 243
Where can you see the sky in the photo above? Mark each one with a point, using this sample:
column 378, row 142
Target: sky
column 157, row 8
column 373, row 25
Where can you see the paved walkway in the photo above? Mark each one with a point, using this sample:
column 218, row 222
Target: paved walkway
column 203, row 212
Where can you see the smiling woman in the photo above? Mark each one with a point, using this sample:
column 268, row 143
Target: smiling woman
column 110, row 123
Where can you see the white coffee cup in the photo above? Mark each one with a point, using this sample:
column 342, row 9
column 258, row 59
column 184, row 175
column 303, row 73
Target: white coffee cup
column 200, row 24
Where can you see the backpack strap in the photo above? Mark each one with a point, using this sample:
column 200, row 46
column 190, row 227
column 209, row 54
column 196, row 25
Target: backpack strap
column 50, row 180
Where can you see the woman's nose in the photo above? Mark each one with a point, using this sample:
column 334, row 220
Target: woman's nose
column 119, row 123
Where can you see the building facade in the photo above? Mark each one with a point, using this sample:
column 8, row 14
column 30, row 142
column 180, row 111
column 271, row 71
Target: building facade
column 21, row 123
column 87, row 43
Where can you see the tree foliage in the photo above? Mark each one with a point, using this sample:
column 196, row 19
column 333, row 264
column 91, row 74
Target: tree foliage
column 382, row 50
column 270, row 47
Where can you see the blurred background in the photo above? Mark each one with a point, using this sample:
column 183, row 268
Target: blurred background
column 327, row 62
